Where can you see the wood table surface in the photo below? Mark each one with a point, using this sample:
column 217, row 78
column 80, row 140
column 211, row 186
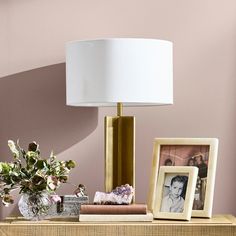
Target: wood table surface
column 218, row 225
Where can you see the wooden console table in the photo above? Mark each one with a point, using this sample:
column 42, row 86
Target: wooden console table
column 219, row 225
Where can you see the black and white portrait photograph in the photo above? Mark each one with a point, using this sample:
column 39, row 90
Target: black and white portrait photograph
column 174, row 191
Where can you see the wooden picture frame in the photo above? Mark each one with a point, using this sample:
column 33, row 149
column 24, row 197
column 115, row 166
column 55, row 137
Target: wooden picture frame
column 175, row 192
column 179, row 151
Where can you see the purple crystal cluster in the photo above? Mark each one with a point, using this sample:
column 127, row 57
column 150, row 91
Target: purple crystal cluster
column 120, row 195
column 123, row 190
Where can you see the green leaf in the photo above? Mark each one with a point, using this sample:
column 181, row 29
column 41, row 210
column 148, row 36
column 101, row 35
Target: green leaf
column 4, row 168
column 32, row 154
column 39, row 164
column 15, row 178
column 24, row 173
column 70, row 164
column 63, row 179
column 31, row 160
column 21, row 150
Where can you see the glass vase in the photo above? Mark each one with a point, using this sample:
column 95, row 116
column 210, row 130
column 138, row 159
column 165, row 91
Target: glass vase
column 35, row 206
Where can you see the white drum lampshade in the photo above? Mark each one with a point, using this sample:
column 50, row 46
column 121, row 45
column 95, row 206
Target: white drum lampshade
column 125, row 71
column 131, row 71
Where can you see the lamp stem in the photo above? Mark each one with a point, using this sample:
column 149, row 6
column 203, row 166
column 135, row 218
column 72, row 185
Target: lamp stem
column 119, row 109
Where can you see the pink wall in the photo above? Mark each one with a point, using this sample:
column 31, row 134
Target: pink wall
column 32, row 103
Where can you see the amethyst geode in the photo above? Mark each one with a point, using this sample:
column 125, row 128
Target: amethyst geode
column 120, row 195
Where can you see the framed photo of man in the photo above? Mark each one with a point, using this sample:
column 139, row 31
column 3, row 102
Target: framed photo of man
column 175, row 192
column 198, row 152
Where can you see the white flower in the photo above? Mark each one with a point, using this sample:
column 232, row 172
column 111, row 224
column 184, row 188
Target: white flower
column 13, row 148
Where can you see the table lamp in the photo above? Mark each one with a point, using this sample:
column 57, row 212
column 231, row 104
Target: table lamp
column 119, row 72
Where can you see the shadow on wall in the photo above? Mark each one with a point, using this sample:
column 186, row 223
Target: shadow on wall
column 33, row 107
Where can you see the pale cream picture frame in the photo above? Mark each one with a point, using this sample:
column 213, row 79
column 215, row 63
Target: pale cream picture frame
column 175, row 171
column 212, row 144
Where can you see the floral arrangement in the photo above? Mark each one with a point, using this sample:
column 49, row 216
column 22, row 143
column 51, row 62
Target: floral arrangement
column 31, row 173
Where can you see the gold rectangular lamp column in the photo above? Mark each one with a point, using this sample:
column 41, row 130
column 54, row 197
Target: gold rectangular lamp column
column 119, row 150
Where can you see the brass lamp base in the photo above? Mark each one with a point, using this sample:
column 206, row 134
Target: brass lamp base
column 119, row 151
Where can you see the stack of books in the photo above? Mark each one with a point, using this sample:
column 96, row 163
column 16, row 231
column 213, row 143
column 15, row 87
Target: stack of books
column 133, row 212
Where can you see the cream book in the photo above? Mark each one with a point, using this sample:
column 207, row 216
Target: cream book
column 117, row 218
